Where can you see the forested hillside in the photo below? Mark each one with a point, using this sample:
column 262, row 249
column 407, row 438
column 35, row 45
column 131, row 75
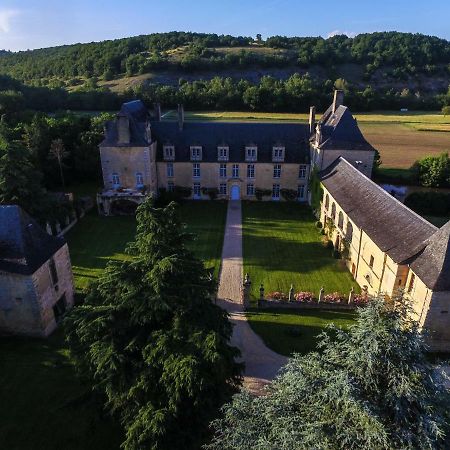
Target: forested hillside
column 388, row 70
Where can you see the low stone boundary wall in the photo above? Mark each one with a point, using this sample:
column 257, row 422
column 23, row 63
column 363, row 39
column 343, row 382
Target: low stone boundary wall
column 276, row 304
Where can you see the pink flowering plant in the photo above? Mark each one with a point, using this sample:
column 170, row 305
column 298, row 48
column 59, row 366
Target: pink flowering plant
column 335, row 297
column 360, row 299
column 304, row 297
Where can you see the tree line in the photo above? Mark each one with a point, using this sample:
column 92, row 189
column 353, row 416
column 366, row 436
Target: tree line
column 401, row 54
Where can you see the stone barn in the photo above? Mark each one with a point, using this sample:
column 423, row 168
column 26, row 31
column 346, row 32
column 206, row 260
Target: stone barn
column 36, row 280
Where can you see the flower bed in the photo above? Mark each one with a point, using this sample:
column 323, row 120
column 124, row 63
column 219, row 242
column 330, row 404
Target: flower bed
column 309, row 297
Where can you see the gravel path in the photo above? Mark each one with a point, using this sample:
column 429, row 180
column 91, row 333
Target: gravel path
column 261, row 363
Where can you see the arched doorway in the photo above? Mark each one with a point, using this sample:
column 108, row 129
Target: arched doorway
column 235, row 192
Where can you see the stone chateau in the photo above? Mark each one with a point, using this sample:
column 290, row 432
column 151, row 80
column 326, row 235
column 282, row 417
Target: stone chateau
column 389, row 247
column 36, row 280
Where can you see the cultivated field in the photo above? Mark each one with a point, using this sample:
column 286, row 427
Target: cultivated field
column 401, row 138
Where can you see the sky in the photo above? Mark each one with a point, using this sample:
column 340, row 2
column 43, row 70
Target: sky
column 29, row 24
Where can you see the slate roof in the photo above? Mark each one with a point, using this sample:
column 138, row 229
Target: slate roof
column 432, row 265
column 24, row 245
column 394, row 228
column 236, row 135
column 340, row 131
column 138, row 116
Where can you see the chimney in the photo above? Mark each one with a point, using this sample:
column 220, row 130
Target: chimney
column 312, row 119
column 157, row 112
column 338, row 99
column 180, row 116
column 123, row 129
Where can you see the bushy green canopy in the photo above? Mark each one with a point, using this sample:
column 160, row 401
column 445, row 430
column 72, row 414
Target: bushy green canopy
column 152, row 340
column 370, row 388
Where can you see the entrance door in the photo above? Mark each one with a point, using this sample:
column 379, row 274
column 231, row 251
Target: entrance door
column 235, row 193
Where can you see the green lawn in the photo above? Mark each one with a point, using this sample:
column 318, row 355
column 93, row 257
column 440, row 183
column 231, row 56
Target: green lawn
column 282, row 246
column 288, row 331
column 95, row 240
column 44, row 406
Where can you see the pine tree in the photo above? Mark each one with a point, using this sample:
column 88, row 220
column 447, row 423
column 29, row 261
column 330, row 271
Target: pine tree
column 152, row 341
column 369, row 388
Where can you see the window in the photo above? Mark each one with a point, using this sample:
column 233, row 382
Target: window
column 251, row 153
column 276, row 191
column 197, row 192
column 302, row 171
column 372, row 260
column 169, row 170
column 333, row 211
column 169, row 152
column 411, row 283
column 349, row 233
column 223, row 189
column 235, row 171
column 250, row 171
column 170, row 186
column 115, row 180
column 223, row 171
column 327, row 202
column 250, row 189
column 196, row 170
column 139, row 180
column 278, row 154
column 222, row 153
column 59, row 308
column 196, row 153
column 53, row 272
column 301, row 191
column 277, row 171
column 341, row 220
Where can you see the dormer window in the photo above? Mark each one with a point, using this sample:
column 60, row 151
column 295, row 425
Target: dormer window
column 196, row 153
column 251, row 153
column 169, row 152
column 222, row 153
column 278, row 154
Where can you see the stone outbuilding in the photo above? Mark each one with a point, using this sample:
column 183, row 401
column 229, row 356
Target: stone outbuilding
column 36, row 280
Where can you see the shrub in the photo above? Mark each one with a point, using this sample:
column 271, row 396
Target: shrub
column 304, row 297
column 183, row 191
column 319, row 224
column 260, row 193
column 434, row 171
column 289, row 195
column 335, row 297
column 336, row 254
column 277, row 296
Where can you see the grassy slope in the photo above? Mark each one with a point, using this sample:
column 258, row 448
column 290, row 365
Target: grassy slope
column 288, row 332
column 282, row 246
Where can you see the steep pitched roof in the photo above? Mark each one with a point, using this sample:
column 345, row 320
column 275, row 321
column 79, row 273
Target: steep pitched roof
column 138, row 116
column 235, row 135
column 24, row 245
column 432, row 265
column 395, row 229
column 341, row 131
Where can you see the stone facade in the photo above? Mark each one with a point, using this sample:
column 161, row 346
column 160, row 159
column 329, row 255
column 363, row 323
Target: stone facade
column 36, row 280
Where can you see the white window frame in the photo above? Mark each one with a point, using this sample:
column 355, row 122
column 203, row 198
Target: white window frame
column 196, row 153
column 276, row 191
column 115, row 180
column 196, row 170
column 302, row 171
column 170, row 170
column 235, row 171
column 301, row 192
column 139, row 180
column 169, row 152
column 170, row 186
column 277, row 171
column 223, row 188
column 251, row 153
column 222, row 153
column 222, row 170
column 278, row 154
column 250, row 171
column 250, row 189
column 196, row 187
